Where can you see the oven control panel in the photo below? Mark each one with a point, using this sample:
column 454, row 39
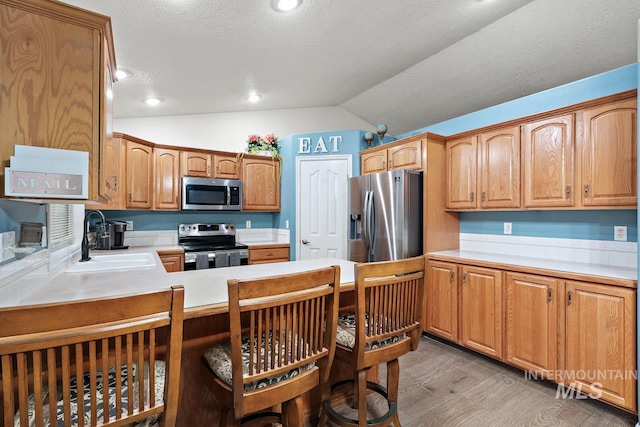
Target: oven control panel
column 198, row 229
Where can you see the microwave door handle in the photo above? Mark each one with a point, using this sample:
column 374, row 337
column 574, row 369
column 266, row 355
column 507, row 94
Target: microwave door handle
column 228, row 195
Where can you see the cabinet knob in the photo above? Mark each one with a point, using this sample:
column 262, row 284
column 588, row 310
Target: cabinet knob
column 390, row 164
column 471, row 196
column 451, row 277
column 570, row 295
column 549, row 294
column 464, row 278
column 482, row 196
column 568, row 191
column 586, row 191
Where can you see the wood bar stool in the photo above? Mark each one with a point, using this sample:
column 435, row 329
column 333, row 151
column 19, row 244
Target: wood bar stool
column 112, row 361
column 279, row 347
column 384, row 326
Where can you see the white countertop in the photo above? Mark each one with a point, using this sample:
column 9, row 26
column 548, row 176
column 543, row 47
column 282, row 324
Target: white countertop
column 202, row 287
column 542, row 264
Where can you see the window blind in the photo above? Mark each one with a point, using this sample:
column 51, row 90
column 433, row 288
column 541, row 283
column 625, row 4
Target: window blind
column 61, row 232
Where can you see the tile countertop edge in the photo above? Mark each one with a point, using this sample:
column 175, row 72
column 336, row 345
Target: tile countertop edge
column 563, row 268
column 205, row 290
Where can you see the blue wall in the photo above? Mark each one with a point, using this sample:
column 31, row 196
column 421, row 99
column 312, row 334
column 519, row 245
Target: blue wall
column 591, row 225
column 352, row 143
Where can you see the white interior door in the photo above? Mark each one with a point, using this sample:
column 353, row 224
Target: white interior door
column 322, row 218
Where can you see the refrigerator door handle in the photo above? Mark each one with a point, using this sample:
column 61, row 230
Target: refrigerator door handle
column 365, row 225
column 372, row 225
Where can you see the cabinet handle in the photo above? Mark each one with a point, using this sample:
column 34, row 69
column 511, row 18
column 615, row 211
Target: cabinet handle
column 568, row 192
column 217, row 170
column 471, row 196
column 586, row 191
column 129, row 197
column 464, row 278
column 549, row 294
column 451, row 277
column 208, row 170
column 482, row 196
column 390, row 164
column 383, row 165
column 569, row 298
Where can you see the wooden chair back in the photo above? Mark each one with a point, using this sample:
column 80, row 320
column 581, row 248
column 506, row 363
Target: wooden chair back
column 388, row 307
column 290, row 321
column 50, row 353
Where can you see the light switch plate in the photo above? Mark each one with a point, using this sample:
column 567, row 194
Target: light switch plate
column 248, row 224
column 129, row 225
column 620, row 233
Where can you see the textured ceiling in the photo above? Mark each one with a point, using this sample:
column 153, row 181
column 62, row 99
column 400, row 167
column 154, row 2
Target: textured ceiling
column 406, row 63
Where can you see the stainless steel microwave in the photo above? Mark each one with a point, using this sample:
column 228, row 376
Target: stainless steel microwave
column 204, row 194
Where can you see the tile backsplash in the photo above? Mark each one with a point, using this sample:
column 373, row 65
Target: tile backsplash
column 170, row 237
column 602, row 252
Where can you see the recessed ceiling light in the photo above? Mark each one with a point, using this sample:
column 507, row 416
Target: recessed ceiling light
column 153, row 101
column 122, row 74
column 254, row 97
column 286, row 5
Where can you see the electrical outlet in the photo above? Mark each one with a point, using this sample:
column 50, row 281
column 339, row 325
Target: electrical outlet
column 507, row 228
column 248, row 224
column 129, row 225
column 620, row 233
column 286, row 224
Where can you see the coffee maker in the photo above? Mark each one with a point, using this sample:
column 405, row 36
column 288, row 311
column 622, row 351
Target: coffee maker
column 114, row 237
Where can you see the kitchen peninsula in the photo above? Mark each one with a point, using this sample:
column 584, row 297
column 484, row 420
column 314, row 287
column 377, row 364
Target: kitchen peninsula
column 206, row 312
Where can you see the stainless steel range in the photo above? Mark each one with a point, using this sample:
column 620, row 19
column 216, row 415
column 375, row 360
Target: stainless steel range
column 211, row 246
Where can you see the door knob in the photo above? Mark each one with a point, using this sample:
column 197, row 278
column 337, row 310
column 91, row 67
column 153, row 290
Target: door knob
column 305, row 242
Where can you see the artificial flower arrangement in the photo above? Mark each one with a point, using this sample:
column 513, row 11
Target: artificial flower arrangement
column 269, row 142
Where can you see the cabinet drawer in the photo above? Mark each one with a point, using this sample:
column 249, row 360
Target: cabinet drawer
column 268, row 255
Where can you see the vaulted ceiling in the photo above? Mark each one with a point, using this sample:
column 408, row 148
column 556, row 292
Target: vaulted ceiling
column 406, row 63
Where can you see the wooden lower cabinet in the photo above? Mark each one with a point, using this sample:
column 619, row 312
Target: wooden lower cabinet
column 600, row 333
column 267, row 254
column 441, row 309
column 531, row 323
column 481, row 310
column 172, row 260
column 573, row 329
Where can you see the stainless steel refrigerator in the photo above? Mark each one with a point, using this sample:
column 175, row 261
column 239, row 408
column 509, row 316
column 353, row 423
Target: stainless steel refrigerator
column 385, row 216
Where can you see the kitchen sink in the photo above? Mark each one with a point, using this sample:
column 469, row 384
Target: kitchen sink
column 113, row 262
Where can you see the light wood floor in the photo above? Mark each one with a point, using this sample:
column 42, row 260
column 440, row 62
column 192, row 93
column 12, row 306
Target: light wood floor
column 442, row 385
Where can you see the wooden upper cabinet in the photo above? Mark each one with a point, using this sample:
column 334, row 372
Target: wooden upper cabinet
column 195, row 163
column 260, row 183
column 532, row 323
column 395, row 155
column 139, row 172
column 499, row 167
column 167, row 175
column 548, row 162
column 461, row 161
column 113, row 170
column 373, row 162
column 53, row 82
column 107, row 180
column 608, row 135
column 600, row 328
column 405, row 156
column 225, row 166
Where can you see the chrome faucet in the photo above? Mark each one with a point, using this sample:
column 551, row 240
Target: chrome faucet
column 100, row 232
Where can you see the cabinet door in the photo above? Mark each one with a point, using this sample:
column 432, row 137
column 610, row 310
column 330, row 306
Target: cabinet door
column 405, row 156
column 441, row 308
column 167, row 173
column 461, row 160
column 499, row 165
column 373, row 162
column 139, row 171
column 609, row 147
column 260, row 184
column 114, row 152
column 481, row 310
column 531, row 323
column 195, row 163
column 172, row 263
column 547, row 153
column 107, row 171
column 601, row 342
column 225, row 166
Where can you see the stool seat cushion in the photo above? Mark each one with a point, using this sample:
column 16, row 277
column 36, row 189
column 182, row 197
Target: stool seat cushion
column 111, row 385
column 218, row 358
column 346, row 333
